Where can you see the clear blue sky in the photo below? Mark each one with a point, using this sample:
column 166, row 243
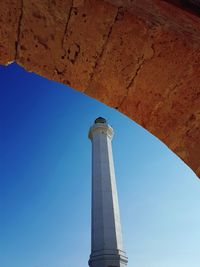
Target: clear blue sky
column 45, row 181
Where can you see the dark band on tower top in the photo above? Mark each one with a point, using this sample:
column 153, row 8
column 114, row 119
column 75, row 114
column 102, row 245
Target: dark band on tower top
column 100, row 120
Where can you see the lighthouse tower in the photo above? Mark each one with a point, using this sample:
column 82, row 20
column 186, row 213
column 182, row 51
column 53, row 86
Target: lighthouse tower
column 107, row 247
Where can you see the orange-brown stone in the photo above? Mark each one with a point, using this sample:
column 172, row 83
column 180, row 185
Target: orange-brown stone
column 141, row 57
column 10, row 14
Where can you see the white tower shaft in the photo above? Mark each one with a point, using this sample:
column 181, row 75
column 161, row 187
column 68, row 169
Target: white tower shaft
column 107, row 247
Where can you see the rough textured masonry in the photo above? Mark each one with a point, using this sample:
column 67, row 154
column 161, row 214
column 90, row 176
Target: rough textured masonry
column 141, row 57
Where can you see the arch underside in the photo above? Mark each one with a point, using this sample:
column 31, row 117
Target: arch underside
column 140, row 57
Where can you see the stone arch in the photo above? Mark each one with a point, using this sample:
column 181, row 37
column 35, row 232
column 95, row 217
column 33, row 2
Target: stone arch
column 140, row 57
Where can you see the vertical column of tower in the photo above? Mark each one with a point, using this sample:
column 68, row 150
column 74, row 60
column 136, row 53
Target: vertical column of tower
column 107, row 247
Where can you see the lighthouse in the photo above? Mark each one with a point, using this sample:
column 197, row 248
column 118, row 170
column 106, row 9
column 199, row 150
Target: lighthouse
column 106, row 234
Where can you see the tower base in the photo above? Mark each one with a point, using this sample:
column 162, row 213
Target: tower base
column 108, row 258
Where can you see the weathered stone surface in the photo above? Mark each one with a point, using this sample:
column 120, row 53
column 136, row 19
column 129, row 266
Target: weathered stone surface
column 167, row 102
column 140, row 57
column 62, row 40
column 10, row 14
column 125, row 50
column 41, row 36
